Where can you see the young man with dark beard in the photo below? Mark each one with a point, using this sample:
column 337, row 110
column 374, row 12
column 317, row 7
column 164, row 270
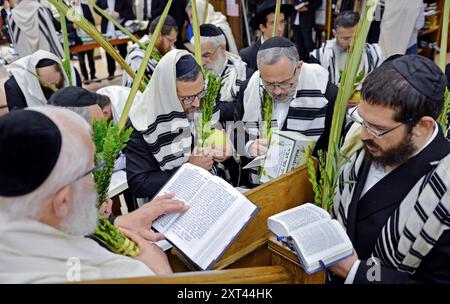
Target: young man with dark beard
column 392, row 196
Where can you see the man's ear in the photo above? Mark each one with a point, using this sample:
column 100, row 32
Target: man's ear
column 262, row 27
column 424, row 126
column 334, row 32
column 223, row 48
column 62, row 203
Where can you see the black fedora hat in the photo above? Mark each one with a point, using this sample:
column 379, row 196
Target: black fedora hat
column 266, row 7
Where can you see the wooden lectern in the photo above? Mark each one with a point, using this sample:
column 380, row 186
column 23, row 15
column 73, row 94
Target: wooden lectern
column 252, row 258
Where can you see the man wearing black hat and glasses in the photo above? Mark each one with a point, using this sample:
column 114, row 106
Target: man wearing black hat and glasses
column 264, row 21
column 396, row 208
column 47, row 205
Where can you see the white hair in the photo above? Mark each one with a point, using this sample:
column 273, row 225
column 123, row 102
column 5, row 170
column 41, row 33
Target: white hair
column 84, row 112
column 73, row 159
column 215, row 40
column 273, row 55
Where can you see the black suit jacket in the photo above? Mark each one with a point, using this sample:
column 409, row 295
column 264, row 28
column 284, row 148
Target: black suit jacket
column 368, row 215
column 307, row 19
column 249, row 53
column 71, row 29
column 123, row 7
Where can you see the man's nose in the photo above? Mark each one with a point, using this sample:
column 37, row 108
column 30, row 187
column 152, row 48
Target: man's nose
column 196, row 102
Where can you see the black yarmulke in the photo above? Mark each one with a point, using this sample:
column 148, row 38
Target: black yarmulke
column 209, row 30
column 276, row 42
column 30, row 144
column 73, row 97
column 45, row 63
column 184, row 65
column 423, row 74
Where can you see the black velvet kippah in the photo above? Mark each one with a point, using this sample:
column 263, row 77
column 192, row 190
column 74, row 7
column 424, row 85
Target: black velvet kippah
column 30, row 144
column 184, row 65
column 276, row 42
column 209, row 30
column 45, row 62
column 423, row 74
column 73, row 97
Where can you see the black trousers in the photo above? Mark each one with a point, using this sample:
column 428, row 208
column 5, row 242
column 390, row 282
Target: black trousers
column 303, row 40
column 122, row 48
column 91, row 61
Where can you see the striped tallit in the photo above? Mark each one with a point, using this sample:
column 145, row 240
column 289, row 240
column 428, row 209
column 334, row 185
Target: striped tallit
column 134, row 60
column 160, row 118
column 32, row 29
column 415, row 226
column 307, row 110
column 372, row 58
column 234, row 73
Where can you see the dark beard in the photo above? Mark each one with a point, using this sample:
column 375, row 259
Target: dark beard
column 394, row 156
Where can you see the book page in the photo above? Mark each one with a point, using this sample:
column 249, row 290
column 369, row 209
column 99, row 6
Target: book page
column 191, row 229
column 216, row 216
column 321, row 241
column 277, row 157
column 295, row 218
column 186, row 182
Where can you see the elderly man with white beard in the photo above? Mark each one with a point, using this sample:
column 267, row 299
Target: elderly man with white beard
column 223, row 64
column 47, row 205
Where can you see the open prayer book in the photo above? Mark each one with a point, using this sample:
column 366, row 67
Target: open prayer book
column 309, row 230
column 286, row 152
column 217, row 214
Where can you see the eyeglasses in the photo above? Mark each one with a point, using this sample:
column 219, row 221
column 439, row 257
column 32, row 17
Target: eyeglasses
column 172, row 41
column 190, row 99
column 208, row 55
column 96, row 168
column 373, row 131
column 285, row 85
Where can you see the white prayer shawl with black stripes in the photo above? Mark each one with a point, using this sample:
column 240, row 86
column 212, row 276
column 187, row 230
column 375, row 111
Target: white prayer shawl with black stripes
column 234, row 73
column 134, row 60
column 29, row 84
column 413, row 230
column 160, row 118
column 32, row 29
column 307, row 110
column 372, row 58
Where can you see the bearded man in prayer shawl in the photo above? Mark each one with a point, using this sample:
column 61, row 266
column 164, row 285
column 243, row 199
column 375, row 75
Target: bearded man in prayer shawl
column 303, row 99
column 396, row 209
column 223, row 64
column 164, row 43
column 165, row 132
column 33, row 28
column 333, row 54
column 23, row 89
column 47, row 205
